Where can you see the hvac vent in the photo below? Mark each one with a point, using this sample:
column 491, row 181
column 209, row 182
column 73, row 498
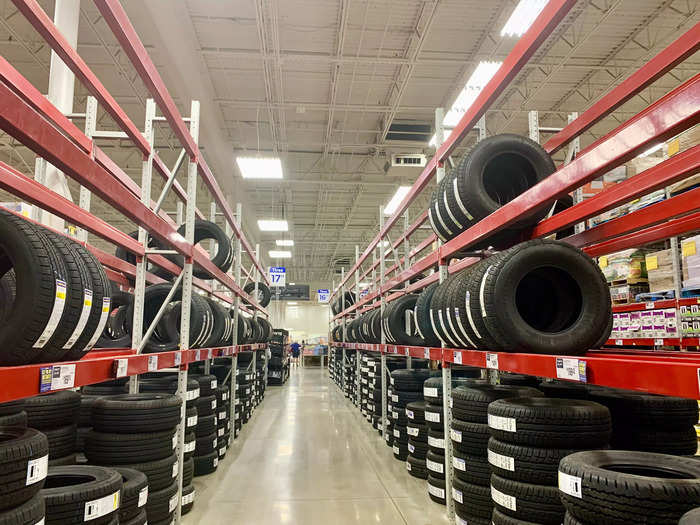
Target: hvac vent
column 411, row 160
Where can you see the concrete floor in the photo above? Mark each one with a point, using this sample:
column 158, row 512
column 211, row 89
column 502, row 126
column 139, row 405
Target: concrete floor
column 307, row 457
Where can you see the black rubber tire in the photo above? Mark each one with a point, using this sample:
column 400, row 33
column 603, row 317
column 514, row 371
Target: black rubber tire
column 397, row 322
column 136, row 413
column 114, row 449
column 434, row 416
column 639, row 409
column 436, row 441
column 52, row 410
column 206, row 445
column 476, row 499
column 415, row 413
column 499, row 518
column 116, row 333
column 68, row 489
column 77, row 280
column 432, row 387
column 62, row 441
column 208, row 384
column 134, row 491
column 160, row 503
column 14, row 420
column 539, row 503
column 422, row 311
column 206, row 405
column 101, row 390
column 436, row 489
column 188, row 472
column 509, row 378
column 527, row 464
column 471, row 402
column 187, row 492
column 160, row 473
column 546, row 297
column 204, row 465
column 264, row 294
column 417, row 449
column 140, row 519
column 433, row 463
column 565, row 390
column 31, row 512
column 471, row 469
column 469, row 437
column 546, row 422
column 204, row 230
column 417, row 431
column 410, row 380
column 63, row 461
column 468, row 287
column 416, row 467
column 37, row 267
column 639, row 487
column 168, row 385
column 23, row 451
column 649, row 439
column 464, row 518
column 206, row 425
column 11, row 407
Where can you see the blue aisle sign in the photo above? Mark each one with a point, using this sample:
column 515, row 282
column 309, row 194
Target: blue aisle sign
column 278, row 275
column 323, row 295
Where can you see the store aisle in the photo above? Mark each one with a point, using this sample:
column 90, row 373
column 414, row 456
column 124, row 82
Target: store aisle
column 308, row 458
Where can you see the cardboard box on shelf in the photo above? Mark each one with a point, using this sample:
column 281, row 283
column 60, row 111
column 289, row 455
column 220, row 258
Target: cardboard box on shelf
column 625, row 293
column 659, row 267
column 690, row 260
column 627, row 265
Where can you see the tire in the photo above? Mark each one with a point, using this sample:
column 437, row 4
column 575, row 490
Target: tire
column 410, row 380
column 434, row 416
column 264, row 294
column 471, row 402
column 204, row 230
column 162, row 503
column 416, row 467
column 62, row 441
column 136, row 413
column 204, row 465
column 472, row 499
column 38, row 267
column 206, row 405
column 11, row 407
column 63, row 461
column 24, row 455
column 509, row 378
column 188, row 496
column 527, row 502
column 417, row 449
column 160, row 473
column 115, row 449
column 30, row 512
column 436, row 441
column 565, row 390
column 649, row 439
column 206, row 425
column 14, row 420
column 620, row 487
column 638, row 409
column 415, row 413
column 116, row 333
column 168, row 385
column 435, row 464
column 468, row 287
column 545, row 422
column 499, row 518
column 464, row 518
column 546, row 297
column 188, row 472
column 68, row 489
column 471, row 469
column 206, row 445
column 436, row 489
column 469, row 437
column 417, row 432
column 140, row 519
column 432, row 387
column 53, row 410
column 208, row 384
column 134, row 493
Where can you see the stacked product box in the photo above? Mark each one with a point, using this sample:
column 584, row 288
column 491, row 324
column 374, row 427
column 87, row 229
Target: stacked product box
column 645, row 324
column 690, row 320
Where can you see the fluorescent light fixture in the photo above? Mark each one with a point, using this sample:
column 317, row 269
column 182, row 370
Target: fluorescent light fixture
column 284, row 242
column 292, row 303
column 522, row 17
column 292, row 284
column 260, row 168
column 280, row 254
column 396, row 199
column 364, row 284
column 382, row 243
column 271, row 225
column 652, row 150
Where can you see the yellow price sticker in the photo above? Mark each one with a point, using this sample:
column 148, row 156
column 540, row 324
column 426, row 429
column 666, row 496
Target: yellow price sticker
column 688, row 248
column 603, row 262
column 674, row 147
column 652, row 262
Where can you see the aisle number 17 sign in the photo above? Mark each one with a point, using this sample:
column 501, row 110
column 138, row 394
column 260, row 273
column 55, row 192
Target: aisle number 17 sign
column 278, row 275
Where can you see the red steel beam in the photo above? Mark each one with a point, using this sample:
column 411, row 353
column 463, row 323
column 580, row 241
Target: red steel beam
column 663, row 174
column 675, row 112
column 666, row 60
column 527, row 45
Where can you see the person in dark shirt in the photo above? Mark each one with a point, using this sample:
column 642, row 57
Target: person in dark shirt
column 295, row 353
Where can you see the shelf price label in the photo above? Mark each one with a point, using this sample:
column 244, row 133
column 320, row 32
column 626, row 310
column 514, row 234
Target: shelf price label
column 209, row 353
column 571, row 369
column 658, row 342
column 197, row 355
column 121, row 367
column 649, row 305
column 619, row 342
column 177, row 361
column 406, row 351
column 457, row 357
column 492, row 361
column 426, row 353
column 56, row 377
column 152, row 363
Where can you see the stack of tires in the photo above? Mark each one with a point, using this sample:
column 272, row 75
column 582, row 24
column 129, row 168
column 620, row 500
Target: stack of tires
column 116, row 332
column 24, row 463
column 621, row 487
column 88, row 395
column 259, row 386
column 278, row 367
column 650, row 423
column 529, row 437
column 367, row 386
column 55, row 295
column 55, row 415
column 341, row 303
column 244, row 385
column 206, row 452
column 80, row 493
column 349, row 369
column 223, row 428
column 138, row 431
column 406, row 387
column 469, row 433
column 540, row 296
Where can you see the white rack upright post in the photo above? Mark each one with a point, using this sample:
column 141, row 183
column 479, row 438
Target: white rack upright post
column 238, row 262
column 382, row 366
column 90, row 126
column 357, row 352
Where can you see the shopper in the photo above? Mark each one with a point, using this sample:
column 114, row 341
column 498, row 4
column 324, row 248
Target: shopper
column 295, row 353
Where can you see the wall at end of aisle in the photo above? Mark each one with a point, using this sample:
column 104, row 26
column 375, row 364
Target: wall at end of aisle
column 305, row 320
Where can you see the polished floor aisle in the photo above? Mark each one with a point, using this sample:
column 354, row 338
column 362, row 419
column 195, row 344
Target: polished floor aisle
column 307, row 457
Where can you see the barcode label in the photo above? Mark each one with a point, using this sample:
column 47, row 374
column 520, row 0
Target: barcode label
column 500, row 461
column 507, row 424
column 504, row 500
column 37, row 469
column 434, row 466
column 457, row 496
column 459, row 464
column 570, row 485
column 456, row 435
column 436, row 442
column 143, row 497
column 436, row 491
column 433, row 417
column 101, row 507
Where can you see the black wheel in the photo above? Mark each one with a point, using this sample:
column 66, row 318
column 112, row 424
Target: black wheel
column 264, row 294
column 24, row 455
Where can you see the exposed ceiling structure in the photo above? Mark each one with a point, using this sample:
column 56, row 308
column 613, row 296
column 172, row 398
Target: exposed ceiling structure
column 336, row 87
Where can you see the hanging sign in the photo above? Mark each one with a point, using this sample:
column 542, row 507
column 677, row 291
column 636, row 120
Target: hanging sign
column 323, row 295
column 278, row 275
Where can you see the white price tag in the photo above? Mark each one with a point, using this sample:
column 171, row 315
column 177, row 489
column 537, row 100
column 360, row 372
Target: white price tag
column 37, row 469
column 459, row 464
column 213, row 384
column 192, row 421
column 172, row 503
column 57, row 377
column 397, row 433
column 435, row 466
column 426, row 353
column 500, row 461
column 649, row 305
column 175, row 469
column 571, row 368
column 619, row 342
column 216, row 462
column 122, row 367
column 658, row 342
column 395, row 398
column 177, row 359
column 152, row 363
column 492, row 361
column 436, row 491
column 412, row 431
column 502, row 423
column 396, row 450
column 197, row 355
column 436, row 442
column 189, row 447
column 101, row 507
column 411, row 448
column 143, row 497
column 456, row 435
column 570, row 485
column 430, row 391
column 457, row 496
column 457, row 357
column 174, row 441
column 504, row 500
column 433, row 417
column 410, row 415
column 408, row 466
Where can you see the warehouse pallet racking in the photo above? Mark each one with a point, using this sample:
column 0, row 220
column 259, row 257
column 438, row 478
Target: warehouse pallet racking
column 33, row 120
column 671, row 373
